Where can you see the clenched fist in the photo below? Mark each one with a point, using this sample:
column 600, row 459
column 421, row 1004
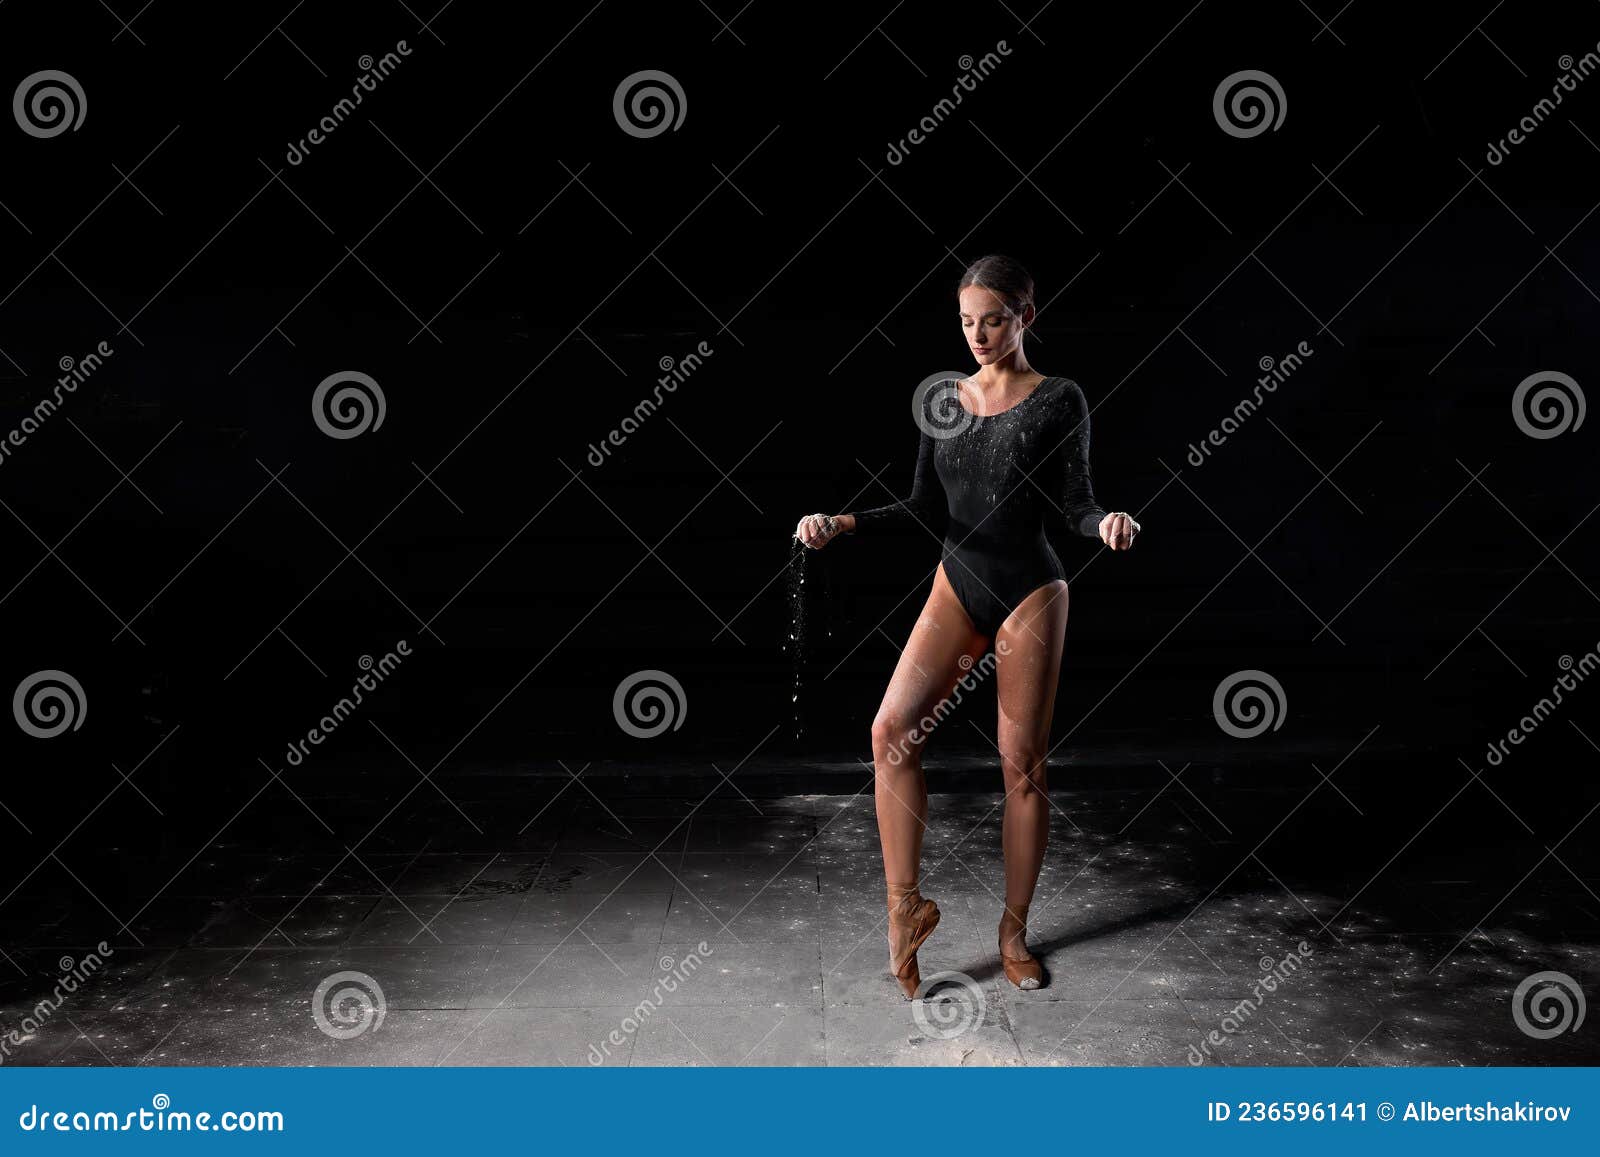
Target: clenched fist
column 1118, row 530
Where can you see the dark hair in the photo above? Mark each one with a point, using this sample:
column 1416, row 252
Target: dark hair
column 1002, row 276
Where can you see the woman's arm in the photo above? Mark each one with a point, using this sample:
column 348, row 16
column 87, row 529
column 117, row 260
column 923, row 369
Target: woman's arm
column 925, row 504
column 1081, row 514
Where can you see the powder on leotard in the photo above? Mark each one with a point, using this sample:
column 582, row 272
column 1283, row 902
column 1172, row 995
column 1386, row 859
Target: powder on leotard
column 1001, row 486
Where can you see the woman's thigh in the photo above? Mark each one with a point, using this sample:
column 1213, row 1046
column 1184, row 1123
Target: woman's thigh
column 1028, row 649
column 931, row 662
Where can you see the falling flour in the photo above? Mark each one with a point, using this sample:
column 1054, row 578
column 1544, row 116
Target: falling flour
column 796, row 645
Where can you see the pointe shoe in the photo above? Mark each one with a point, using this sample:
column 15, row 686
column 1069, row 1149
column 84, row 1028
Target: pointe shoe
column 911, row 920
column 1023, row 971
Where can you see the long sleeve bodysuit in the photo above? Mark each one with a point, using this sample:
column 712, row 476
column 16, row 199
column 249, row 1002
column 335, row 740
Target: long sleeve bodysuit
column 1003, row 480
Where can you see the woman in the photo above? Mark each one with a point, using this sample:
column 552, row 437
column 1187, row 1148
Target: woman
column 1010, row 462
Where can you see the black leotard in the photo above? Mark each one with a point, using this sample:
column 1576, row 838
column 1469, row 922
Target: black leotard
column 1005, row 478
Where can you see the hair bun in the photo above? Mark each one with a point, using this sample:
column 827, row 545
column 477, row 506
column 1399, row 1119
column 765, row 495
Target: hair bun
column 1002, row 276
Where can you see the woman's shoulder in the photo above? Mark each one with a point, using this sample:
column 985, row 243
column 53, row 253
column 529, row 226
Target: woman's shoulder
column 1068, row 394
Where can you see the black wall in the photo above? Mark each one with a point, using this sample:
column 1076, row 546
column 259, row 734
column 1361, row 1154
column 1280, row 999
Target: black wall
column 486, row 189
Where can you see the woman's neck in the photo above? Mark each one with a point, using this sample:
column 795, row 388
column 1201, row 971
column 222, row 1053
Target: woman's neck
column 1004, row 376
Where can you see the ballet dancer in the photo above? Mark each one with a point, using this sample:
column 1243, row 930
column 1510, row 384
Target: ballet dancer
column 1010, row 463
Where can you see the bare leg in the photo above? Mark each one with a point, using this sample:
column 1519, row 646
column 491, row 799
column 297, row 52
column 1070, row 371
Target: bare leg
column 927, row 672
column 1029, row 646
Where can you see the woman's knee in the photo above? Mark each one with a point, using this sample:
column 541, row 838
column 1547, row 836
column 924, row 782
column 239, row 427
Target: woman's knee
column 895, row 740
column 1024, row 768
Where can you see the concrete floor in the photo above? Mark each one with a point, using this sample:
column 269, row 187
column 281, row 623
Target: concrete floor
column 498, row 946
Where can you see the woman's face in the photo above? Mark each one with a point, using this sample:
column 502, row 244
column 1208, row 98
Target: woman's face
column 992, row 331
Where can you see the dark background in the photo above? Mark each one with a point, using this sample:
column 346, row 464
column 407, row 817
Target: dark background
column 486, row 190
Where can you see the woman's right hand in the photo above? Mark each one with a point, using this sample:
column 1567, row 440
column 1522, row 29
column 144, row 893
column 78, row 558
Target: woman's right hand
column 817, row 530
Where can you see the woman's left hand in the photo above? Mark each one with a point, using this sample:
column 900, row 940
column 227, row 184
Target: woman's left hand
column 1118, row 530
